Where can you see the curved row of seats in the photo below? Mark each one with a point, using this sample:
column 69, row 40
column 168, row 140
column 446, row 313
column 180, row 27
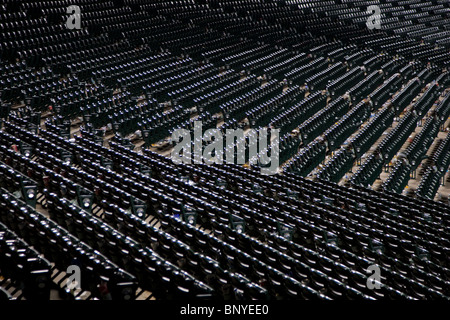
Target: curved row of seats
column 414, row 154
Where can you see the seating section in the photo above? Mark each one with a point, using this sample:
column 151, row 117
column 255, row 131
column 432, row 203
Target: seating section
column 25, row 266
column 86, row 120
column 432, row 176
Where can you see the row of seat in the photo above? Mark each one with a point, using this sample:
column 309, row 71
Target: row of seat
column 24, row 266
column 362, row 142
column 430, row 180
column 323, row 119
column 262, row 115
column 306, row 159
column 53, row 241
column 388, row 147
column 85, row 179
column 412, row 157
column 296, row 238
